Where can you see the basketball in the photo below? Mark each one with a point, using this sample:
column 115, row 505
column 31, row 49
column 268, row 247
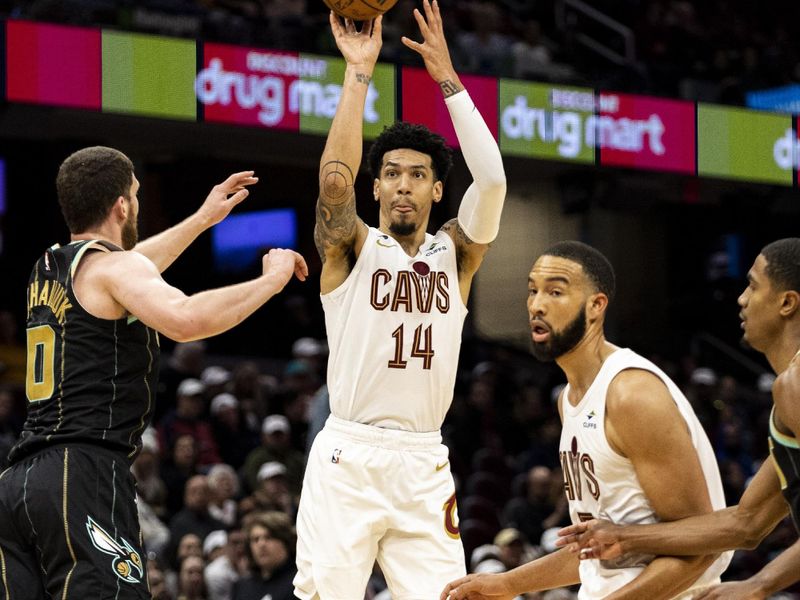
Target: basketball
column 360, row 10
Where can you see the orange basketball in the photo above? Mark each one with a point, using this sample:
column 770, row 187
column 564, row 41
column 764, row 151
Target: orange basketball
column 360, row 10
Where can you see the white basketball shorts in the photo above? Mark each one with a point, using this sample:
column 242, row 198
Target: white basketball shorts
column 372, row 493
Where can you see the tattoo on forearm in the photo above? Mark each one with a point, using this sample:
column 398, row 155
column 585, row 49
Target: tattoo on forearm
column 449, row 88
column 363, row 78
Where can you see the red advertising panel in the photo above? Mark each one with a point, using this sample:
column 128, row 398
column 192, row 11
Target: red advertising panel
column 53, row 64
column 248, row 86
column 645, row 133
column 423, row 102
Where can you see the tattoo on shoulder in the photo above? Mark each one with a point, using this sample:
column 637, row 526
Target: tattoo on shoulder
column 449, row 88
column 363, row 78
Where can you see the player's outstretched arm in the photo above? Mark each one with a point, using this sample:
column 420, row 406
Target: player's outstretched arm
column 168, row 245
column 479, row 213
column 740, row 526
column 559, row 569
column 136, row 285
column 777, row 575
column 337, row 225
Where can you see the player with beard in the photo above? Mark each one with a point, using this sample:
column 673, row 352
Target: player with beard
column 770, row 313
column 632, row 449
column 68, row 519
column 377, row 484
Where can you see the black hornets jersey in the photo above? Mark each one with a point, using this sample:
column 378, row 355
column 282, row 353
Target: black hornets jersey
column 89, row 380
column 785, row 451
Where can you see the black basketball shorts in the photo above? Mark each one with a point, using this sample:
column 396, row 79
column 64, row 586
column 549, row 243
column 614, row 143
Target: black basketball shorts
column 69, row 525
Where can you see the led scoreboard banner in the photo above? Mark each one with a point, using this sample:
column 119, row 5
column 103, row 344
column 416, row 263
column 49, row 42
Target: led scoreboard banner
column 159, row 77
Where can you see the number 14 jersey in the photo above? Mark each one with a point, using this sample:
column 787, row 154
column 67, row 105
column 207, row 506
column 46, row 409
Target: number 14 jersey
column 394, row 330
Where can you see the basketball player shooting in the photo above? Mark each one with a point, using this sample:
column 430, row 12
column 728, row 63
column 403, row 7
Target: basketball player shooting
column 377, row 485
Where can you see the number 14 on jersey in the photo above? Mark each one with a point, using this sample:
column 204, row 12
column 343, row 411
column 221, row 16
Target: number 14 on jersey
column 422, row 347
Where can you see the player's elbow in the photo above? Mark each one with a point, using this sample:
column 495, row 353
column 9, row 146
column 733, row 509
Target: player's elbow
column 184, row 328
column 749, row 531
column 751, row 538
column 495, row 185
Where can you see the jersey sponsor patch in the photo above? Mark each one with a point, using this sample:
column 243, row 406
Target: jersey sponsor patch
column 126, row 564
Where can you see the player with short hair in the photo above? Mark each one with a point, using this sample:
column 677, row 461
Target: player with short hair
column 68, row 520
column 632, row 450
column 377, row 484
column 770, row 313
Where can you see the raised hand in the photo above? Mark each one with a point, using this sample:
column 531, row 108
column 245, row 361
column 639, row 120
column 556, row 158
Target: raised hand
column 483, row 586
column 224, row 196
column 592, row 539
column 433, row 48
column 358, row 47
column 281, row 264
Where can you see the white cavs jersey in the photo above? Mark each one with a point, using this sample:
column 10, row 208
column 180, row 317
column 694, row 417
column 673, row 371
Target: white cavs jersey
column 601, row 483
column 394, row 330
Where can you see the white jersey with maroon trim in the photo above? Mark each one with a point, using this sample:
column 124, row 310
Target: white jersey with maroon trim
column 394, row 330
column 600, row 483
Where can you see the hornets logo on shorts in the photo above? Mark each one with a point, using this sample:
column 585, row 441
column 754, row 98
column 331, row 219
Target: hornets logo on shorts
column 127, row 564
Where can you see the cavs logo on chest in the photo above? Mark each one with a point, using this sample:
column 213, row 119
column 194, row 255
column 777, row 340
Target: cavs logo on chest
column 127, row 563
column 578, row 469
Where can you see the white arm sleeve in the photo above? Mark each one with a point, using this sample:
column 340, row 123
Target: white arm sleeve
column 479, row 213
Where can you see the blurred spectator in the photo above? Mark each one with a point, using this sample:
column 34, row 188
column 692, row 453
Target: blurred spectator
column 186, row 361
column 214, row 545
column 194, row 516
column 271, row 544
column 537, row 510
column 313, row 352
column 190, row 579
column 249, row 387
column 215, row 379
column 513, row 549
column 155, row 533
column 482, row 554
column 227, row 562
column 532, row 57
column 223, row 485
column 189, row 544
column 275, row 446
column 146, row 469
column 157, row 581
column 300, row 383
column 176, row 471
column 233, row 439
column 272, row 493
column 187, row 419
column 484, row 49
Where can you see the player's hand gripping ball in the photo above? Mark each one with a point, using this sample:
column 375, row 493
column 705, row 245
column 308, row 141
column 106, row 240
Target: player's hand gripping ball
column 360, row 10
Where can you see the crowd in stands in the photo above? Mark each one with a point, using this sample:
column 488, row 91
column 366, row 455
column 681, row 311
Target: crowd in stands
column 220, row 471
column 712, row 51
